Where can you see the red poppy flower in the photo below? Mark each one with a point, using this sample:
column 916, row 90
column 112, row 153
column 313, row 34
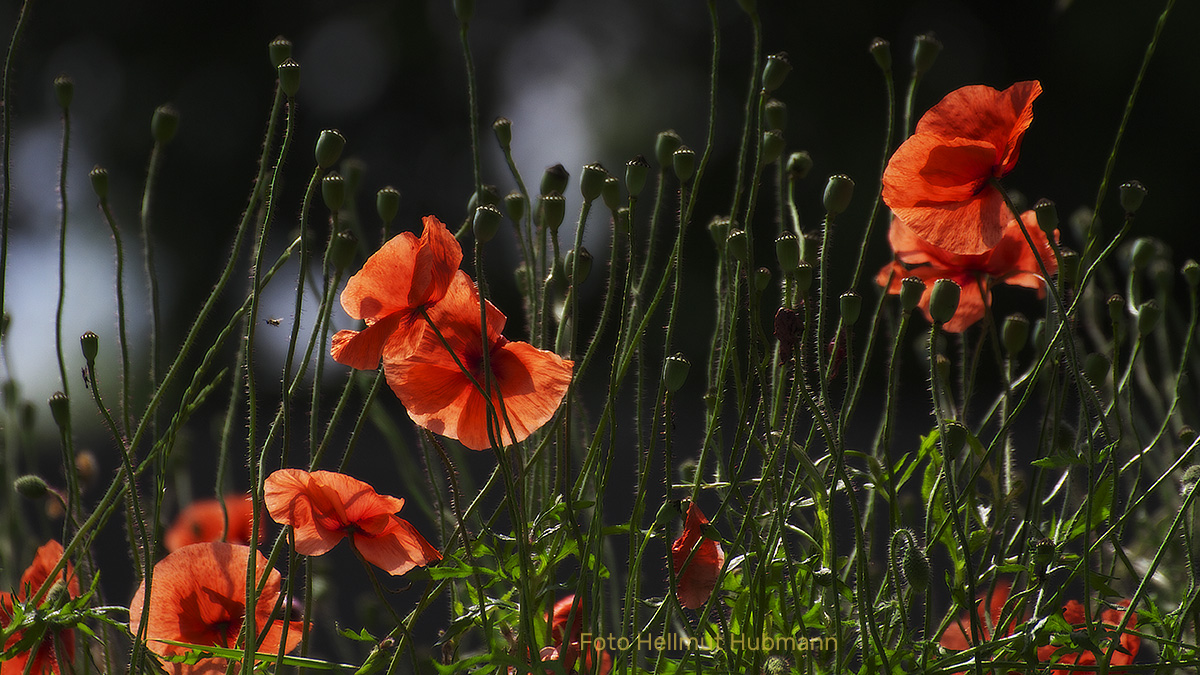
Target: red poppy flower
column 697, row 580
column 43, row 655
column 440, row 397
column 198, row 596
column 388, row 293
column 572, row 637
column 957, row 635
column 1010, row 262
column 937, row 180
column 1073, row 613
column 323, row 507
column 202, row 521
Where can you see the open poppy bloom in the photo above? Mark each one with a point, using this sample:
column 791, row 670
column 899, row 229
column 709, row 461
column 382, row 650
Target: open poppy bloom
column 442, row 398
column 43, row 655
column 937, row 180
column 1010, row 262
column 1122, row 656
column 568, row 640
column 403, row 277
column 322, row 507
column 989, row 609
column 202, row 521
column 696, row 581
column 198, row 596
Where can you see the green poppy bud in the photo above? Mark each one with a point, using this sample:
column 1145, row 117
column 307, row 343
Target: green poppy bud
column 591, row 181
column 288, row 73
column 1187, row 435
column 911, row 290
column 502, row 127
column 1095, row 368
column 775, row 115
column 329, row 148
column 683, row 161
column 915, row 568
column 1191, row 273
column 164, row 123
column 823, row 577
column 578, row 265
column 555, row 179
column 635, row 175
column 1133, row 194
column 675, row 372
column 943, row 301
column 31, row 487
column 1142, row 253
column 89, row 342
column 665, row 146
column 737, row 246
column 787, row 252
column 464, row 10
column 776, row 71
column 771, row 147
column 1116, row 308
column 881, row 50
column 1015, row 334
column 99, row 176
column 953, row 439
column 925, row 53
column 718, row 229
column 611, row 193
column 799, row 164
column 387, row 204
column 333, row 191
column 514, row 206
column 838, row 192
column 486, row 223
column 804, row 277
column 60, row 410
column 1148, row 317
column 64, row 91
column 762, row 278
column 553, row 208
column 1047, row 216
column 851, row 306
column 279, row 50
column 342, row 248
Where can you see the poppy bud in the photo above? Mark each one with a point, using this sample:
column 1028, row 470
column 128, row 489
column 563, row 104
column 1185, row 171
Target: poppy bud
column 60, row 410
column 553, row 207
column 464, row 10
column 1015, row 333
column 488, row 195
column 911, row 290
column 776, row 665
column 1096, row 367
column 1133, row 194
column 914, row 565
column 164, row 123
column 1068, row 268
column 555, row 179
column 288, row 73
column 803, row 276
column 943, row 301
column 851, row 306
column 1148, row 317
column 771, row 147
column 1047, row 216
column 1116, row 308
column 514, row 206
column 502, row 127
column 736, row 245
column 1187, row 435
column 1142, row 253
column 823, row 577
column 635, row 175
column 762, row 277
column 329, row 148
column 925, row 52
column 341, row 250
column 591, row 181
column 675, row 372
column 1191, row 273
column 31, row 487
column 578, row 265
column 838, row 192
column 953, row 439
column 787, row 252
column 775, row 115
column 279, row 50
column 799, row 164
column 718, row 229
column 611, row 193
column 486, row 223
column 683, row 161
column 89, row 342
column 333, row 191
column 99, row 176
column 776, row 71
column 665, row 146
column 387, row 204
column 882, row 51
column 64, row 91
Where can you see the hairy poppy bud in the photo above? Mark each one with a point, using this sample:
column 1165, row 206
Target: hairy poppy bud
column 1133, row 194
column 838, row 192
column 288, row 73
column 279, row 50
column 555, row 179
column 1047, row 216
column 611, row 193
column 762, row 278
column 341, row 250
column 925, row 53
column 881, row 50
column 675, row 372
column 635, row 175
column 591, row 181
column 665, row 146
column 776, row 71
column 771, row 147
column 787, row 251
column 60, row 410
column 502, row 127
column 683, row 161
column 1142, row 253
column 333, row 191
column 1095, row 368
column 31, row 487
column 954, row 438
column 775, row 115
column 329, row 148
column 1148, row 317
column 64, row 91
column 943, row 301
column 89, row 342
column 514, row 206
column 578, row 264
column 99, row 176
column 851, row 306
column 387, row 204
column 1015, row 333
column 164, row 123
column 799, row 164
column 486, row 223
column 553, row 208
column 1116, row 308
column 1191, row 273
column 803, row 276
column 737, row 246
column 911, row 290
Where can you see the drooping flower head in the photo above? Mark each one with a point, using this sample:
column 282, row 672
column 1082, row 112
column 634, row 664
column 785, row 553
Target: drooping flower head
column 442, row 398
column 696, row 580
column 1010, row 262
column 567, row 640
column 1124, row 655
column 323, row 507
column 202, row 521
column 403, row 277
column 37, row 575
column 937, row 180
column 198, row 596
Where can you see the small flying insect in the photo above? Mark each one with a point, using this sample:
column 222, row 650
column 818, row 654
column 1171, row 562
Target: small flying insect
column 272, row 322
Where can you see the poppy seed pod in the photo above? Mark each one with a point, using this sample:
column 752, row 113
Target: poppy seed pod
column 1191, row 273
column 776, row 71
column 1047, row 216
column 1142, row 253
column 762, row 278
column 99, row 176
column 279, row 50
column 665, row 146
column 851, row 306
column 514, row 205
column 1068, row 268
column 925, row 53
column 911, row 290
column 553, row 208
column 1116, row 308
column 1133, row 194
column 953, row 439
column 787, row 252
column 771, row 147
column 775, row 115
column 164, row 123
column 486, row 223
column 675, row 372
column 1148, row 317
column 799, row 164
column 578, row 264
column 943, row 301
column 881, row 50
column 1096, row 367
column 333, row 191
column 329, row 148
column 488, row 195
column 555, row 179
column 591, row 181
column 611, row 193
column 635, row 175
column 387, row 204
column 718, row 229
column 1187, row 435
column 464, row 10
column 683, row 161
column 89, row 343
column 1015, row 333
column 31, row 487
column 502, row 127
column 803, row 276
column 288, row 73
column 60, row 410
column 64, row 91
column 838, row 192
column 341, row 250
column 737, row 246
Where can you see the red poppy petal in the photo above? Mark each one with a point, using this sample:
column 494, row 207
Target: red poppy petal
column 360, row 501
column 970, row 227
column 983, row 113
column 363, row 349
column 382, row 286
column 971, row 306
column 397, row 549
column 438, row 257
column 532, row 382
column 696, row 581
column 286, row 493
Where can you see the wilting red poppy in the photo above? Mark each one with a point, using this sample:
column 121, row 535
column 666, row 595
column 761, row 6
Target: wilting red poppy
column 198, row 596
column 404, row 276
column 567, row 641
column 1074, row 615
column 441, row 397
column 937, row 180
column 1010, row 262
column 323, row 507
column 697, row 580
column 202, row 521
column 43, row 655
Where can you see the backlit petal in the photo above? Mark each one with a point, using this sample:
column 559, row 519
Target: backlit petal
column 397, row 549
